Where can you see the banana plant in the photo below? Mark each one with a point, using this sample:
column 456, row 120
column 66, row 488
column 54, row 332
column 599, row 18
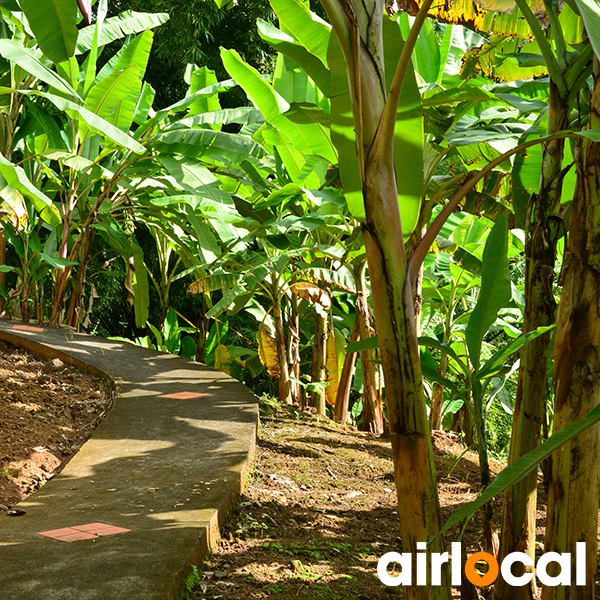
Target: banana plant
column 521, row 41
column 480, row 375
column 35, row 262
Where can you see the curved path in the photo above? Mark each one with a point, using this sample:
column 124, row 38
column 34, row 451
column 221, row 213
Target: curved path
column 162, row 469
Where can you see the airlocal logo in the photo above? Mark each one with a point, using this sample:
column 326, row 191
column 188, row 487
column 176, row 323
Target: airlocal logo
column 438, row 559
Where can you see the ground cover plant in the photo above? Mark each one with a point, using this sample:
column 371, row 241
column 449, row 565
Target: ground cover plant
column 403, row 187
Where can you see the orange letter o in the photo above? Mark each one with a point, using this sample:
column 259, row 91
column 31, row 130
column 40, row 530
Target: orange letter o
column 473, row 576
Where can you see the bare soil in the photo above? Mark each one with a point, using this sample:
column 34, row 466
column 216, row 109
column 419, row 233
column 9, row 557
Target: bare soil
column 47, row 411
column 320, row 511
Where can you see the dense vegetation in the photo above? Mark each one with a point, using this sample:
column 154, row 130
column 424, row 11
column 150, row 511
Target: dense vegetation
column 378, row 234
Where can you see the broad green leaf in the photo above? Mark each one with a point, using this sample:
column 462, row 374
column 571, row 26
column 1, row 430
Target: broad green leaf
column 342, row 131
column 141, row 292
column 56, row 262
column 47, row 124
column 433, row 375
column 465, row 93
column 172, row 333
column 499, row 358
column 311, row 31
column 183, row 105
column 90, row 70
column 104, row 98
column 135, row 53
column 118, row 27
column 69, row 71
column 144, row 103
column 188, row 173
column 201, row 79
column 208, row 249
column 426, row 55
column 467, row 261
column 28, row 61
column 96, row 124
column 116, row 92
column 294, row 84
column 435, row 343
column 312, row 139
column 242, row 116
column 259, row 91
column 590, row 134
column 590, row 13
column 495, row 289
column 54, row 24
column 294, row 50
column 522, row 467
column 207, row 142
column 408, row 132
column 371, row 343
column 525, row 179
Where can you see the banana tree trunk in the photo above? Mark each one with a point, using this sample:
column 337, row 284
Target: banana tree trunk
column 319, row 358
column 73, row 314
column 340, row 410
column 372, row 409
column 416, row 486
column 202, row 328
column 543, row 228
column 285, row 394
column 2, row 275
column 437, row 403
column 462, row 422
column 294, row 350
column 574, row 490
column 358, row 26
column 490, row 534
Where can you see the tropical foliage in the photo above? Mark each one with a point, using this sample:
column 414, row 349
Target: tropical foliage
column 402, row 189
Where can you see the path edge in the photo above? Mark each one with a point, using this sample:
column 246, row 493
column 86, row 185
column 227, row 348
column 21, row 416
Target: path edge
column 211, row 534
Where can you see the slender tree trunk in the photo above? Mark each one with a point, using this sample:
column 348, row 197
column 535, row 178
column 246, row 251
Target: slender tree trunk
column 25, row 297
column 73, row 313
column 543, row 228
column 574, row 490
column 372, row 406
column 319, row 361
column 437, row 403
column 359, row 29
column 294, row 349
column 340, row 410
column 462, row 422
column 285, row 395
column 490, row 534
column 2, row 275
column 202, row 328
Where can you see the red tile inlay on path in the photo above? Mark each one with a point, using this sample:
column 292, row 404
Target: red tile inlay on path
column 83, row 532
column 27, row 328
column 183, row 395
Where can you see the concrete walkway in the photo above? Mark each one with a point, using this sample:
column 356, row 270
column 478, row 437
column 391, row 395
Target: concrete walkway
column 164, row 468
